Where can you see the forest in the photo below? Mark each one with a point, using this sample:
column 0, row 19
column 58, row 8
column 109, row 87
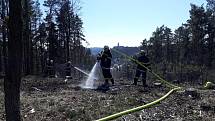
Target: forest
column 43, row 62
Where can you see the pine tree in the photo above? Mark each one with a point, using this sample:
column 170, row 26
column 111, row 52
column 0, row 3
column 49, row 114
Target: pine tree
column 40, row 47
column 167, row 40
column 197, row 24
column 182, row 40
column 27, row 42
column 210, row 16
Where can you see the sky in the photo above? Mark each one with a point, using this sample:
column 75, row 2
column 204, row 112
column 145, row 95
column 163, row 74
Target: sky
column 128, row 22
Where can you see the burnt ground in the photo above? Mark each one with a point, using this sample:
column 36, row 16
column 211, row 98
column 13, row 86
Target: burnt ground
column 45, row 99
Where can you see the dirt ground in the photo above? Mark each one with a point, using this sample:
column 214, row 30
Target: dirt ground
column 46, row 99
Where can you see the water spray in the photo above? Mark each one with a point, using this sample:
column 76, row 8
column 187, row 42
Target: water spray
column 92, row 77
column 81, row 71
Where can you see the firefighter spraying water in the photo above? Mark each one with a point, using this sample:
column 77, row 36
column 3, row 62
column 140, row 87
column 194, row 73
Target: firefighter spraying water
column 104, row 57
column 103, row 63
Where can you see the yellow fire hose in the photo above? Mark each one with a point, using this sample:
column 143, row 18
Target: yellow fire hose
column 156, row 75
column 171, row 86
column 114, row 116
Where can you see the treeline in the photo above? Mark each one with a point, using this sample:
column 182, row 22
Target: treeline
column 190, row 45
column 56, row 36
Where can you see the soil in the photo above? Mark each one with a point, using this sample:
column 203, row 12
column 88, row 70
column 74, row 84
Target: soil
column 52, row 99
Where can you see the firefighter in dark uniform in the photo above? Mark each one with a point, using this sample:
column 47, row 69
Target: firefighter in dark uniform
column 105, row 61
column 47, row 67
column 140, row 70
column 51, row 68
column 68, row 68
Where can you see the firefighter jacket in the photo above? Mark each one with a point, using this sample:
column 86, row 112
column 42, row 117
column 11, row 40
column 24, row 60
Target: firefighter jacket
column 105, row 58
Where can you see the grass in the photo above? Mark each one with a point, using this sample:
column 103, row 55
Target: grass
column 64, row 102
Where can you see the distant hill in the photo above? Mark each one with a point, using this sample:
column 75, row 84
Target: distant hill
column 126, row 50
column 95, row 50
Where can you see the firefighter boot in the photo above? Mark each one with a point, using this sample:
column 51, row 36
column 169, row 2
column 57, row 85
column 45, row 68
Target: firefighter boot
column 106, row 82
column 135, row 81
column 112, row 81
column 144, row 83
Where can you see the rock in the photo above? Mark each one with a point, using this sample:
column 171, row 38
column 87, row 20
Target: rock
column 103, row 88
column 144, row 90
column 51, row 76
column 175, row 81
column 102, row 98
column 76, row 88
column 69, row 77
column 32, row 111
column 113, row 93
column 141, row 100
column 65, row 80
column 191, row 92
column 205, row 107
column 158, row 84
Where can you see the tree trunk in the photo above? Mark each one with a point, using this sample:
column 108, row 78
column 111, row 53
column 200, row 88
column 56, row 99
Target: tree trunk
column 26, row 39
column 4, row 49
column 0, row 60
column 13, row 73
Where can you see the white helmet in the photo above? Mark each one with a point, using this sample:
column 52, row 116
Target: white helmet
column 142, row 52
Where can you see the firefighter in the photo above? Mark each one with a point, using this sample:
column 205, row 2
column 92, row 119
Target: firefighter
column 51, row 69
column 105, row 61
column 68, row 68
column 46, row 69
column 140, row 70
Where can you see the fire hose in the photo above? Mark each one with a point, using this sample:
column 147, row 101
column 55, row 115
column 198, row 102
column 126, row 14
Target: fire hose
column 171, row 86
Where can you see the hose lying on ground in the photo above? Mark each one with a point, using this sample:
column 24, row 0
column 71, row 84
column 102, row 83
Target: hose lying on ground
column 175, row 88
column 114, row 116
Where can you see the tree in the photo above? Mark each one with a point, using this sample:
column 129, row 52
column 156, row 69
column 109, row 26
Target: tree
column 167, row 40
column 210, row 40
column 144, row 45
column 197, row 25
column 182, row 40
column 36, row 15
column 211, row 5
column 64, row 20
column 4, row 32
column 51, row 5
column 13, row 73
column 156, row 45
column 27, row 42
column 70, row 30
column 40, row 45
